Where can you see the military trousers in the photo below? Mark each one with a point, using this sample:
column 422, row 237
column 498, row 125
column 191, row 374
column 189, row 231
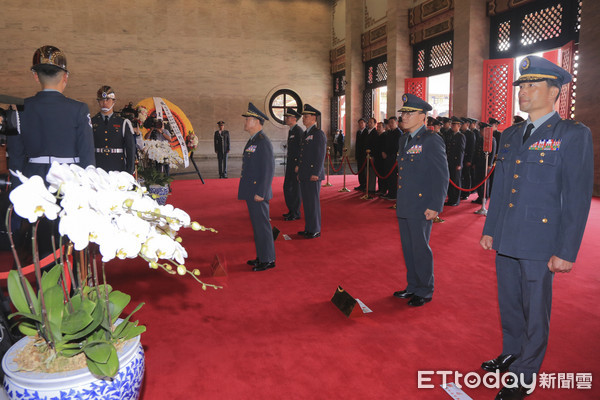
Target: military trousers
column 454, row 193
column 418, row 257
column 263, row 232
column 525, row 301
column 222, row 160
column 291, row 192
column 311, row 202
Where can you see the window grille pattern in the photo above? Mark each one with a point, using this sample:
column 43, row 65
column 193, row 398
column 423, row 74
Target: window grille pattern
column 367, row 103
column 334, row 114
column 339, row 84
column 498, row 91
column 416, row 88
column 421, row 60
column 571, row 99
column 441, row 55
column 381, row 75
column 541, row 25
column 578, row 17
column 504, row 36
column 376, row 72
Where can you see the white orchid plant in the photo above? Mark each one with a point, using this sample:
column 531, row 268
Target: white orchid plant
column 153, row 159
column 98, row 212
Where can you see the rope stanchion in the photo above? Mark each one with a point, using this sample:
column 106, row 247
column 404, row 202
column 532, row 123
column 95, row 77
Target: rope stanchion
column 344, row 156
column 327, row 184
column 367, row 162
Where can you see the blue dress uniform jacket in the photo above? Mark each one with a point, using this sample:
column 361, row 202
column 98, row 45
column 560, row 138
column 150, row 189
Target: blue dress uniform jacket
column 55, row 126
column 422, row 185
column 542, row 191
column 422, row 175
column 291, row 186
column 258, row 167
column 114, row 142
column 312, row 157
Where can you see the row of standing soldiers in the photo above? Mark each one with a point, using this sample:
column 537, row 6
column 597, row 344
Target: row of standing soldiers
column 464, row 150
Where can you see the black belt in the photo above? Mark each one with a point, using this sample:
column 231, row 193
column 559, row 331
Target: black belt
column 107, row 150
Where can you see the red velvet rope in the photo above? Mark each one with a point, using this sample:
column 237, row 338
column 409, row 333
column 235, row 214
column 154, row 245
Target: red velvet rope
column 481, row 183
column 361, row 168
column 388, row 174
column 331, row 165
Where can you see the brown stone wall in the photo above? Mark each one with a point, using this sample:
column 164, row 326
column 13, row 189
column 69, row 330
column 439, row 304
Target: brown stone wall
column 208, row 57
column 588, row 79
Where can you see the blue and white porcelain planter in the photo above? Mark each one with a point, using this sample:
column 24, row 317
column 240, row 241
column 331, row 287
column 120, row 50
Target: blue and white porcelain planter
column 159, row 193
column 79, row 384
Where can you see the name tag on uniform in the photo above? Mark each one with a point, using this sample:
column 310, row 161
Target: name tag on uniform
column 117, row 126
column 546, row 145
column 415, row 149
column 292, row 136
column 251, row 149
column 310, row 137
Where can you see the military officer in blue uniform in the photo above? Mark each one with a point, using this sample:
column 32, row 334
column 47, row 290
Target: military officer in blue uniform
column 113, row 135
column 291, row 186
column 311, row 172
column 538, row 211
column 422, row 187
column 360, row 153
column 258, row 168
column 52, row 127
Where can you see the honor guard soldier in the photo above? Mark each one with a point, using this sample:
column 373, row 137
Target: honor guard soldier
column 291, row 186
column 311, row 172
column 258, row 168
column 422, row 187
column 455, row 151
column 113, row 135
column 52, row 126
column 221, row 140
column 537, row 215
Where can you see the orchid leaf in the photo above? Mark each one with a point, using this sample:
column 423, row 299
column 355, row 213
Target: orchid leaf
column 17, row 293
column 107, row 369
column 50, row 278
column 54, row 300
column 98, row 351
column 118, row 301
column 117, row 333
column 77, row 321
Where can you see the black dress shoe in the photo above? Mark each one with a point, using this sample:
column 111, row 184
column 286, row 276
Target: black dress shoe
column 302, row 233
column 418, row 301
column 359, row 188
column 310, row 235
column 264, row 266
column 477, row 200
column 403, row 294
column 502, row 362
column 290, row 218
column 451, row 204
column 253, row 262
column 512, row 393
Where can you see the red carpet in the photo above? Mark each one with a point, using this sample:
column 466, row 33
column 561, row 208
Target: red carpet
column 276, row 335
